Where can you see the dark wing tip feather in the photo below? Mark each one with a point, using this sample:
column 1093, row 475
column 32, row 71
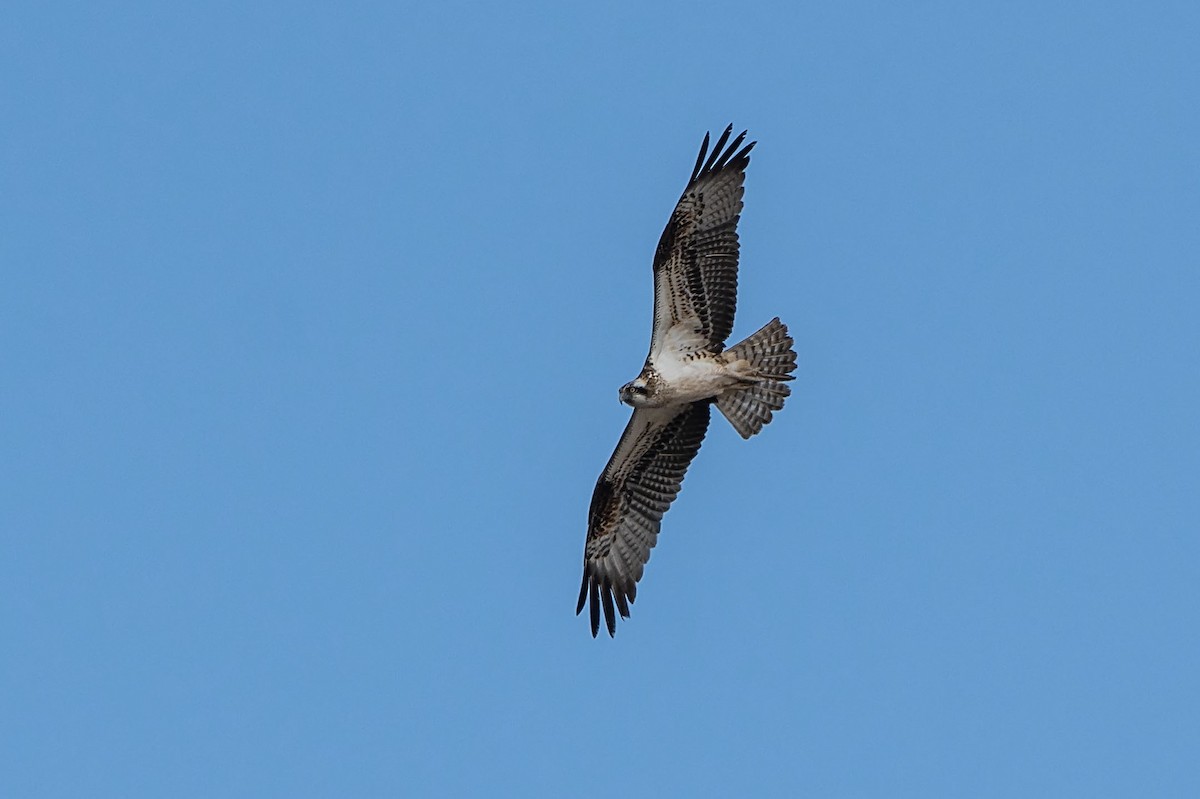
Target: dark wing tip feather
column 594, row 607
column 622, row 604
column 610, row 615
column 717, row 149
column 583, row 589
column 700, row 158
column 722, row 156
column 599, row 593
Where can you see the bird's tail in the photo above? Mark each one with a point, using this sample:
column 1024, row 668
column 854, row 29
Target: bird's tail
column 765, row 360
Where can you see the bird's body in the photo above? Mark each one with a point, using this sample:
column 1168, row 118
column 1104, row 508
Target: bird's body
column 687, row 371
column 679, row 379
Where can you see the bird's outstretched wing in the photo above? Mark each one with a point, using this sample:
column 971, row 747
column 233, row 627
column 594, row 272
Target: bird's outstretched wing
column 695, row 265
column 635, row 489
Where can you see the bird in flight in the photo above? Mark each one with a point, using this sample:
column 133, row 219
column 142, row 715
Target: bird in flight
column 687, row 371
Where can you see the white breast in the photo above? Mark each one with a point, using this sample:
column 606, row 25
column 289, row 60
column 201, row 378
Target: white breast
column 692, row 376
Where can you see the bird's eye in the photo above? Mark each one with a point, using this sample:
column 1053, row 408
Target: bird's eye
column 638, row 389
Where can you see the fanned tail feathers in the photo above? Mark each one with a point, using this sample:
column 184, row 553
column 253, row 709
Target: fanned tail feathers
column 772, row 360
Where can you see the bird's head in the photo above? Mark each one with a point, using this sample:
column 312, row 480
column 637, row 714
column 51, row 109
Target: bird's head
column 635, row 393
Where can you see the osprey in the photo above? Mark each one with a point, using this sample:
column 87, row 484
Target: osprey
column 687, row 371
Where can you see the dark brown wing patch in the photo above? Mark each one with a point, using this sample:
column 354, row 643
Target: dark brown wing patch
column 636, row 488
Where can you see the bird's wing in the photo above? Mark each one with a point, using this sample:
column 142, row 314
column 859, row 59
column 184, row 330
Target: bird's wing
column 695, row 265
column 635, row 489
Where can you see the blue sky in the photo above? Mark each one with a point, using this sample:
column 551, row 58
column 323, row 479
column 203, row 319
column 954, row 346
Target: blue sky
column 312, row 322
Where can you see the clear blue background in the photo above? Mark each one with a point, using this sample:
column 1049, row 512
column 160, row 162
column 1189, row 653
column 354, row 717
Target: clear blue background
column 311, row 324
